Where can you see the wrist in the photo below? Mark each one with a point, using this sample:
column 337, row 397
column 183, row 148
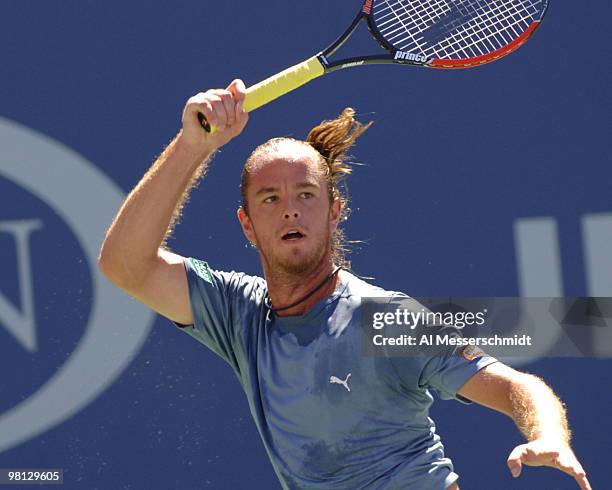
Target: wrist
column 556, row 439
column 194, row 151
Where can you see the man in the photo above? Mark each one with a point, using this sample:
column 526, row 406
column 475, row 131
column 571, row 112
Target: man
column 329, row 417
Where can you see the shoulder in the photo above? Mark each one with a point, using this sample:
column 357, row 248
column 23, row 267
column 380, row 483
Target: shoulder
column 239, row 285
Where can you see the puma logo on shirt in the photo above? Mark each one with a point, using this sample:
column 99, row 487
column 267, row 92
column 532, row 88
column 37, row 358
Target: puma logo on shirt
column 334, row 379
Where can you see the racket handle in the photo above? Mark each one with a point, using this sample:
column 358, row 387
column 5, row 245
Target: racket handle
column 271, row 88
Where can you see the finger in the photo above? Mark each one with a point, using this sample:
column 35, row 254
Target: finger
column 238, row 90
column 206, row 109
column 240, row 114
column 574, row 469
column 580, row 477
column 241, row 122
column 515, row 460
column 219, row 110
column 583, row 482
column 199, row 104
column 227, row 100
column 230, row 107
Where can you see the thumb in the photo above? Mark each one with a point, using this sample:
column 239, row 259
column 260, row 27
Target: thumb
column 515, row 460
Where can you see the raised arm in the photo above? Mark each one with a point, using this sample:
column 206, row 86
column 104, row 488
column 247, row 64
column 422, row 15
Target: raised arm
column 537, row 412
column 132, row 255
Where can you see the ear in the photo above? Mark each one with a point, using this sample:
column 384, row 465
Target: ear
column 247, row 226
column 335, row 212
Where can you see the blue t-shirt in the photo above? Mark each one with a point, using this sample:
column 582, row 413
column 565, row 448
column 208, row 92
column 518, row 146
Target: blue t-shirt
column 329, row 416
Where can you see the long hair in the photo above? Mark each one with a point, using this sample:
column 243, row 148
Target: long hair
column 331, row 139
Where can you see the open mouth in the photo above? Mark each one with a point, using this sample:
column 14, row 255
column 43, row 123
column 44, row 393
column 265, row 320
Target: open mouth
column 292, row 235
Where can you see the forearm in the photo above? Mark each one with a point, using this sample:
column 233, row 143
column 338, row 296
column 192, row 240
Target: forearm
column 150, row 211
column 537, row 411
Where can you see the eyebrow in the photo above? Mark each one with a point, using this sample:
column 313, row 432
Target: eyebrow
column 299, row 185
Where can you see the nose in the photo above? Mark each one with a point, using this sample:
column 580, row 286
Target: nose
column 291, row 209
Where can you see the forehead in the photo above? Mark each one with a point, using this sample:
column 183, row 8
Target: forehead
column 291, row 161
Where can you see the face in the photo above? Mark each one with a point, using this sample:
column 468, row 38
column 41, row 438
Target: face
column 290, row 220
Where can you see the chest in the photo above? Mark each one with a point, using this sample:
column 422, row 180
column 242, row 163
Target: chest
column 319, row 385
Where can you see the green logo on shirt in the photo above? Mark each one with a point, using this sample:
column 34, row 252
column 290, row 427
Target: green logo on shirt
column 201, row 269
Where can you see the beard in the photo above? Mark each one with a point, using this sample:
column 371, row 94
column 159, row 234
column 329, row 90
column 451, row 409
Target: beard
column 298, row 260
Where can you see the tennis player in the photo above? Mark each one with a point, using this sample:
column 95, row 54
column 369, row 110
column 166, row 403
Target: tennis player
column 328, row 416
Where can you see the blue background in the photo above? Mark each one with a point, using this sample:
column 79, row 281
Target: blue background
column 452, row 160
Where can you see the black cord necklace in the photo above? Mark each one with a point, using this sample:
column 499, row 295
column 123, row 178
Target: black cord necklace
column 301, row 300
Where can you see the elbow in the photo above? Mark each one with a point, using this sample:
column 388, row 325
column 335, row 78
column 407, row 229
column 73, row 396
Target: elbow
column 129, row 275
column 106, row 265
column 109, row 266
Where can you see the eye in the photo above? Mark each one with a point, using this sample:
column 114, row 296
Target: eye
column 306, row 195
column 270, row 199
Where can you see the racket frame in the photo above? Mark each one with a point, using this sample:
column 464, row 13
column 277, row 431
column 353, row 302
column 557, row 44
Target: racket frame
column 396, row 56
column 319, row 64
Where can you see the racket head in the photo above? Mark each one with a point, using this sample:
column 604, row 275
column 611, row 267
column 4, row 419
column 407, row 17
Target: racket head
column 450, row 33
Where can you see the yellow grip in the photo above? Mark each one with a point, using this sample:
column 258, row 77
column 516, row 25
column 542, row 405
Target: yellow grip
column 282, row 83
column 271, row 88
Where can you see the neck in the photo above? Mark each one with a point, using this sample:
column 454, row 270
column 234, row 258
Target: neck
column 286, row 288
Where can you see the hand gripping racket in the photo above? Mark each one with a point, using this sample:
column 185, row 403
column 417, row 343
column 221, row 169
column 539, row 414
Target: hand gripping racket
column 430, row 33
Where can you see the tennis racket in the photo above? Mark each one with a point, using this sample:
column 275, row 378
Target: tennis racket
column 429, row 33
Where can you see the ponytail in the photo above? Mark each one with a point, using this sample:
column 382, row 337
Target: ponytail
column 332, row 139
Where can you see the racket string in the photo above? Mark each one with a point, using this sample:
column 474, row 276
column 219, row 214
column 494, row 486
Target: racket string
column 415, row 18
column 454, row 28
column 465, row 37
column 487, row 32
column 403, row 27
column 430, row 13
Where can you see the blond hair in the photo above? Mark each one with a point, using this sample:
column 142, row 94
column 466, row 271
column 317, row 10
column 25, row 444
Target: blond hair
column 331, row 139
